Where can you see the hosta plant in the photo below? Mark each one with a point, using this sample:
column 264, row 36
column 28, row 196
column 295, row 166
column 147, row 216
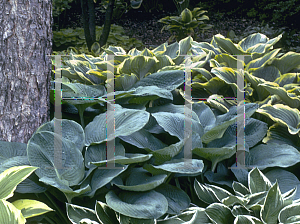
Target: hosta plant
column 185, row 24
column 259, row 202
column 18, row 211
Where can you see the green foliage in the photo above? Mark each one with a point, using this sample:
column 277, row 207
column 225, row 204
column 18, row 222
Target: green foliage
column 75, row 37
column 58, row 6
column 181, row 5
column 185, row 24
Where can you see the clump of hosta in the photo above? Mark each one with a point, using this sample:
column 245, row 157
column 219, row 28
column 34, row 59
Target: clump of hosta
column 260, row 202
column 184, row 24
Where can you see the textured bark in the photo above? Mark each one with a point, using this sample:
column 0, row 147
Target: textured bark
column 107, row 23
column 25, row 67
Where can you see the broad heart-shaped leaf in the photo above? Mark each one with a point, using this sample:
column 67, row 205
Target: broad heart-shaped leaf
column 71, row 131
column 252, row 40
column 290, row 214
column 127, row 159
column 174, row 124
column 101, row 177
column 77, row 213
column 10, row 178
column 286, row 180
column 219, row 213
column 64, row 163
column 271, row 155
column 260, row 62
column 258, row 182
column 272, row 205
column 223, row 121
column 287, row 62
column 178, row 200
column 141, row 180
column 227, row 45
column 127, row 121
column 139, row 65
column 210, row 193
column 145, row 205
column 105, row 214
column 31, row 208
column 168, row 80
column 10, row 214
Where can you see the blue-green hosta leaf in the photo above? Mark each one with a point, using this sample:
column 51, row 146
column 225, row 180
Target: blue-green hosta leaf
column 10, row 214
column 105, row 214
column 240, row 174
column 215, row 155
column 254, row 131
column 172, row 108
column 287, row 62
column 261, row 62
column 258, row 182
column 283, row 115
column 129, row 158
column 268, row 73
column 139, row 65
column 229, row 60
column 247, row 219
column 174, row 123
column 145, row 205
column 127, row 121
column 31, row 208
column 228, row 46
column 280, row 135
column 223, row 121
column 144, row 139
column 271, row 155
column 272, row 205
column 125, row 81
column 64, row 163
column 168, row 80
column 95, row 153
column 178, row 200
column 287, row 79
column 255, row 83
column 252, row 40
column 290, row 214
column 203, row 72
column 10, row 178
column 134, row 52
column 218, row 101
column 286, row 180
column 180, row 166
column 205, row 114
column 11, row 149
column 77, row 213
column 167, row 153
column 290, row 99
column 103, row 176
column 228, row 75
column 163, row 60
column 141, row 180
column 233, row 200
column 210, row 193
column 172, row 50
column 219, row 213
column 71, row 131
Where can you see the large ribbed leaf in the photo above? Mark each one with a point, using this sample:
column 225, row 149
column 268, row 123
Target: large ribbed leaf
column 127, row 121
column 146, row 205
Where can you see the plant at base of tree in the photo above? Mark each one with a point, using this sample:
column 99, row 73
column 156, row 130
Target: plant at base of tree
column 185, row 24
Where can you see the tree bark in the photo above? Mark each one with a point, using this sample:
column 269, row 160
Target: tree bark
column 107, row 23
column 25, row 67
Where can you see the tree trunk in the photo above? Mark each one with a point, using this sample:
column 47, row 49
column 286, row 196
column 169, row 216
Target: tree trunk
column 107, row 23
column 25, row 67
